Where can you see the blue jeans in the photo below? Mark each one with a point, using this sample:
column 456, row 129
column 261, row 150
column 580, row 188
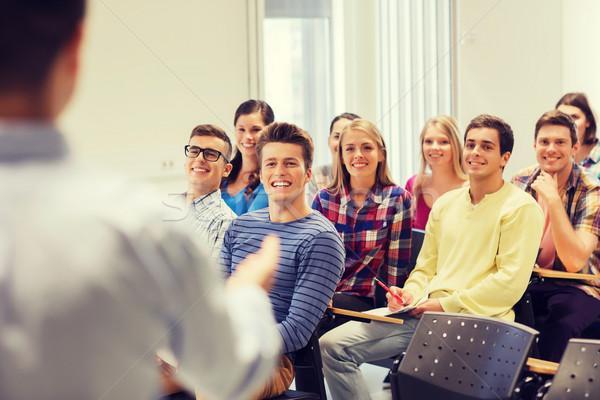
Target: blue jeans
column 346, row 347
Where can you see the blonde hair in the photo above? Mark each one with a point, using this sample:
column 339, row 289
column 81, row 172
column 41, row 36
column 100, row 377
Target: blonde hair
column 449, row 127
column 383, row 175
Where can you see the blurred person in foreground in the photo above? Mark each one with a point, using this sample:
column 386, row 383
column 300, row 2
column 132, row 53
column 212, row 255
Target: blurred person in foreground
column 91, row 281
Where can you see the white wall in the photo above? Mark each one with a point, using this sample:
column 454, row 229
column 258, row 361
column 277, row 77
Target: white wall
column 510, row 65
column 581, row 53
column 360, row 58
column 152, row 70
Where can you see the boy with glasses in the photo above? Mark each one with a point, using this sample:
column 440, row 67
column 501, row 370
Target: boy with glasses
column 206, row 163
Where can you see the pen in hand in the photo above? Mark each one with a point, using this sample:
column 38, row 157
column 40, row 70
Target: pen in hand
column 387, row 289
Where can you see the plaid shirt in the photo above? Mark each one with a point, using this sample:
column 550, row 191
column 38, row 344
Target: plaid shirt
column 592, row 162
column 212, row 217
column 376, row 236
column 581, row 198
column 208, row 215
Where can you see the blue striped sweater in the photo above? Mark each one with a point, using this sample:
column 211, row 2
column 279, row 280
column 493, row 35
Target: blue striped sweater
column 310, row 268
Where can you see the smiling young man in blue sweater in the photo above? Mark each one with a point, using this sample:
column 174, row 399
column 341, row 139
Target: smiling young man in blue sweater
column 312, row 253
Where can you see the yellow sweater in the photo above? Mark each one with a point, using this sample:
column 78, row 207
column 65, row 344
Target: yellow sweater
column 479, row 260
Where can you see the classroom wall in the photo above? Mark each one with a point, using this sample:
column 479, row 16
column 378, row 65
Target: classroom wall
column 360, row 58
column 509, row 64
column 580, row 52
column 151, row 71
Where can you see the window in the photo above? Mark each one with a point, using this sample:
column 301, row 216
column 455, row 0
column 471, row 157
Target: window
column 414, row 75
column 309, row 64
column 297, row 66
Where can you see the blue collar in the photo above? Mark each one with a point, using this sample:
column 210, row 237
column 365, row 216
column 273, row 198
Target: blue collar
column 22, row 141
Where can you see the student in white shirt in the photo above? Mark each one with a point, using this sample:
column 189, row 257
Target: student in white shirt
column 206, row 164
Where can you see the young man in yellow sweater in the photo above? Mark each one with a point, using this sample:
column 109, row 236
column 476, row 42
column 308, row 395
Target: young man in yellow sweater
column 480, row 246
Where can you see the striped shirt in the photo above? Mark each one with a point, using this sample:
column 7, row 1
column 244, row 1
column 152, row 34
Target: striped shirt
column 208, row 215
column 376, row 236
column 581, row 199
column 310, row 266
column 212, row 217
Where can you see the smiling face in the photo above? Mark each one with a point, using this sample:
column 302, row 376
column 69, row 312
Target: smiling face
column 247, row 131
column 554, row 149
column 578, row 117
column 205, row 176
column 283, row 173
column 436, row 149
column 481, row 154
column 360, row 155
column 334, row 137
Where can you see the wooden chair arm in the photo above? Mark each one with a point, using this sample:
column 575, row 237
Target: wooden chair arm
column 549, row 273
column 362, row 316
column 541, row 366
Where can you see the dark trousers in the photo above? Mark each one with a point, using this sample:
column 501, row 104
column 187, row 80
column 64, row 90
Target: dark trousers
column 568, row 312
column 348, row 302
column 183, row 395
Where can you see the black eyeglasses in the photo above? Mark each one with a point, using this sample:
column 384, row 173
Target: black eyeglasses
column 211, row 155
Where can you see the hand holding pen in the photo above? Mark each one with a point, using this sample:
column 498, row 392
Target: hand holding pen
column 387, row 289
column 396, row 298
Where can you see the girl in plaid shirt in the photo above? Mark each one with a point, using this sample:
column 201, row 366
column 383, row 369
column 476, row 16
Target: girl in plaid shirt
column 371, row 214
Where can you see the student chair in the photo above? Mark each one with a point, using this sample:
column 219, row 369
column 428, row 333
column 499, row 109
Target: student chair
column 308, row 367
column 416, row 242
column 578, row 374
column 462, row 357
column 524, row 315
